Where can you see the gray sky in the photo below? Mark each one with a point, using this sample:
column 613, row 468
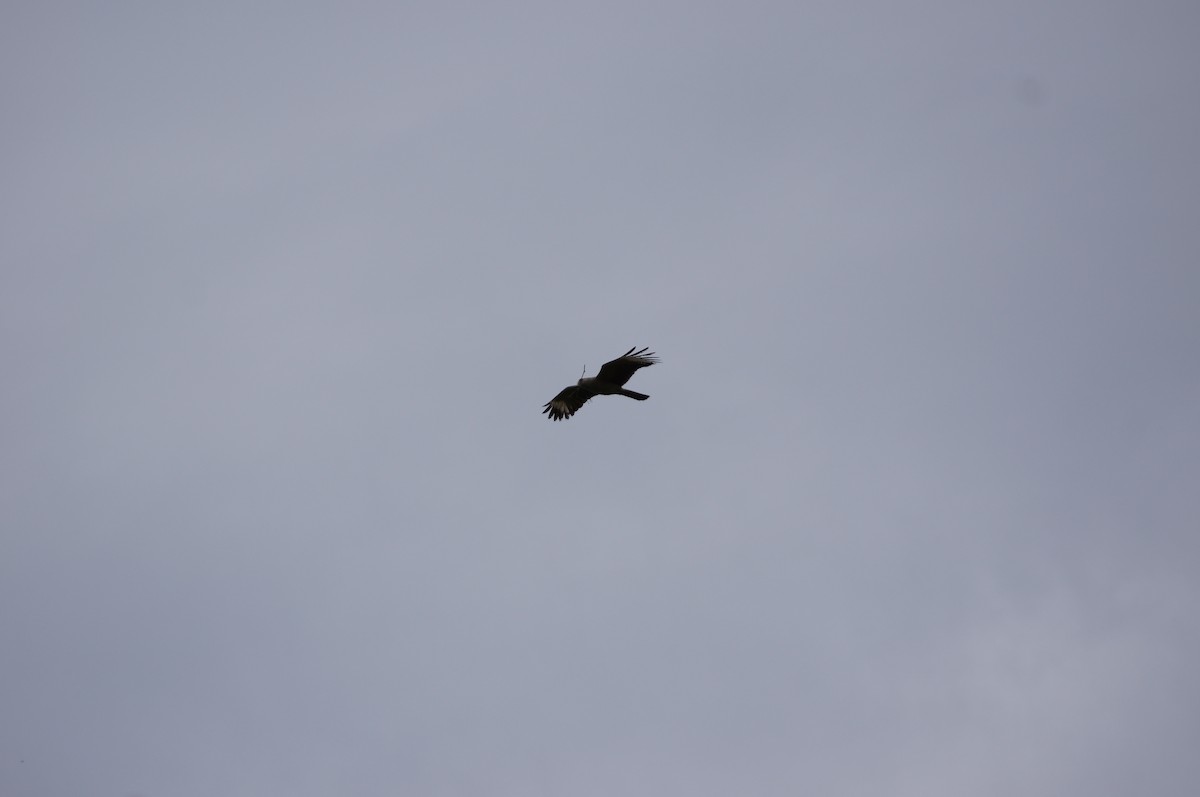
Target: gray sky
column 912, row 509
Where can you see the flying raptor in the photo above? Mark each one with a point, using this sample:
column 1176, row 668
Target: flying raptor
column 609, row 381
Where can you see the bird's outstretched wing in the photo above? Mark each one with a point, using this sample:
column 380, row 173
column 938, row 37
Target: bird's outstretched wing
column 567, row 402
column 617, row 372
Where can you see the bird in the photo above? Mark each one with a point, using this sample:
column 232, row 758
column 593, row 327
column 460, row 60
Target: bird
column 608, row 382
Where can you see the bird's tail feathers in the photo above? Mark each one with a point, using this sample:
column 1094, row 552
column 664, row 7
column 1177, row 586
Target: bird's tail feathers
column 633, row 394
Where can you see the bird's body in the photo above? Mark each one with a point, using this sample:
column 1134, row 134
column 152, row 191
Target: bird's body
column 609, row 381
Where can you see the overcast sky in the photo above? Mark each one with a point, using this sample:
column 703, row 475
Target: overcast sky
column 912, row 509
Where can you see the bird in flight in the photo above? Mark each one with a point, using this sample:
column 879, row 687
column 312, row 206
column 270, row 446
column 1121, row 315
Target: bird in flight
column 609, row 381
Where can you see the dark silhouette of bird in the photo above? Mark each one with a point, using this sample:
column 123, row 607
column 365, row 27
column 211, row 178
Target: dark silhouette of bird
column 608, row 382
